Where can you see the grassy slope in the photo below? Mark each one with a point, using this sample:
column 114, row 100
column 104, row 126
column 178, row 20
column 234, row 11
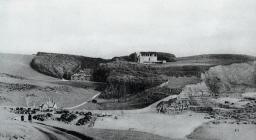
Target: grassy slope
column 216, row 59
column 19, row 65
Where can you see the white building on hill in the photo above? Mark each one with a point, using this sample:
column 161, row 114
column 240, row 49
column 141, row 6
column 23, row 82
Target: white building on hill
column 147, row 57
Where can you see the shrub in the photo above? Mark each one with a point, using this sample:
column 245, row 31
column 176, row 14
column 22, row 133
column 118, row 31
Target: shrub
column 67, row 117
column 94, row 101
column 84, row 120
column 42, row 117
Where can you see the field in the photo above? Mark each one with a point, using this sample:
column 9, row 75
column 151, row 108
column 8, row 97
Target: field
column 172, row 126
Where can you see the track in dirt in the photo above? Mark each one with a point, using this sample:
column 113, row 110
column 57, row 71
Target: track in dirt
column 56, row 133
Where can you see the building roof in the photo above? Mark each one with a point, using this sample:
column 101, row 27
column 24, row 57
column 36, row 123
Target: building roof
column 148, row 53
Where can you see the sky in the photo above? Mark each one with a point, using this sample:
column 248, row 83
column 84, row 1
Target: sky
column 107, row 28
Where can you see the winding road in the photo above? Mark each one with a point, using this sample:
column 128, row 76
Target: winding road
column 83, row 102
column 56, row 133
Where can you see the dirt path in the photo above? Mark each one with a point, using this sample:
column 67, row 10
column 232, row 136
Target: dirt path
column 55, row 133
column 74, row 107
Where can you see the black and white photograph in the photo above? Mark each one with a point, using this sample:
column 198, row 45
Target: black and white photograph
column 127, row 70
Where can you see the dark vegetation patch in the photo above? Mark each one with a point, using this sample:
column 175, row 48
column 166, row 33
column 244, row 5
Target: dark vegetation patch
column 152, row 95
column 119, row 87
column 84, row 120
column 83, row 84
column 131, row 70
column 140, row 100
column 9, row 87
column 17, row 87
column 67, row 117
column 42, row 117
column 55, row 88
column 63, row 65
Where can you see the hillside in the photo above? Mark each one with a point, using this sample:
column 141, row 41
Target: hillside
column 228, row 86
column 216, row 59
column 20, row 85
column 128, row 82
column 228, row 80
column 62, row 65
column 17, row 64
column 132, row 85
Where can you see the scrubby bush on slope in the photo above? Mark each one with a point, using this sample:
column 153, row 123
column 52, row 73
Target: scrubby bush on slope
column 122, row 86
column 62, row 65
column 127, row 78
column 124, row 78
column 67, row 117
